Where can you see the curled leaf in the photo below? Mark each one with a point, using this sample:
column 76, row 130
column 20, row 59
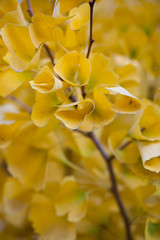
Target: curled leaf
column 147, row 126
column 46, row 82
column 73, row 116
column 126, row 102
column 101, row 115
column 77, row 72
column 42, row 26
column 22, row 53
column 150, row 153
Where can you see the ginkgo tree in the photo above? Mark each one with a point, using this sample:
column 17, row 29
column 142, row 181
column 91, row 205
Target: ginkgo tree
column 79, row 120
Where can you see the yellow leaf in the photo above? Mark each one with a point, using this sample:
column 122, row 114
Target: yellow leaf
column 147, row 126
column 73, row 116
column 42, row 27
column 18, row 41
column 16, row 196
column 11, row 80
column 28, row 164
column 71, row 200
column 7, row 132
column 46, row 223
column 81, row 16
column 15, row 17
column 124, row 148
column 101, row 73
column 150, row 153
column 77, row 72
column 46, row 82
column 8, row 5
column 126, row 102
column 43, row 109
column 101, row 115
column 66, row 5
column 128, row 76
column 22, row 54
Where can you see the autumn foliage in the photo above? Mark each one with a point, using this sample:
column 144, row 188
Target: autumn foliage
column 80, row 120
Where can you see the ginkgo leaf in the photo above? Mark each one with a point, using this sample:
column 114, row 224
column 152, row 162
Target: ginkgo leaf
column 42, row 26
column 21, row 66
column 77, row 72
column 45, row 7
column 18, row 41
column 128, row 76
column 134, row 41
column 7, row 132
column 150, row 153
column 73, row 116
column 46, row 223
column 15, row 17
column 46, row 82
column 101, row 73
column 66, row 5
column 16, row 196
column 20, row 162
column 43, row 109
column 124, row 148
column 95, row 164
column 22, row 54
column 81, row 16
column 71, row 200
column 101, row 115
column 152, row 229
column 8, row 5
column 11, row 80
column 147, row 126
column 126, row 102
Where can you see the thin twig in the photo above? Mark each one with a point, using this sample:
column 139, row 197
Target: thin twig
column 49, row 54
column 91, row 40
column 116, row 194
column 19, row 103
column 125, row 145
column 30, row 10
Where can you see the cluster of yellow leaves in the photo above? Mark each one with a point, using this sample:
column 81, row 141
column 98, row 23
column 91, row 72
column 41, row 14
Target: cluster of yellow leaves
column 54, row 182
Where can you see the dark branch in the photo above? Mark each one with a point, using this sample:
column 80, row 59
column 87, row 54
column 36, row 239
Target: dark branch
column 125, row 145
column 49, row 54
column 30, row 10
column 116, row 194
column 91, row 40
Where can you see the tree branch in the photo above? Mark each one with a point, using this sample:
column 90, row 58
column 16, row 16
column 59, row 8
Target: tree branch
column 91, row 40
column 48, row 51
column 30, row 10
column 116, row 194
